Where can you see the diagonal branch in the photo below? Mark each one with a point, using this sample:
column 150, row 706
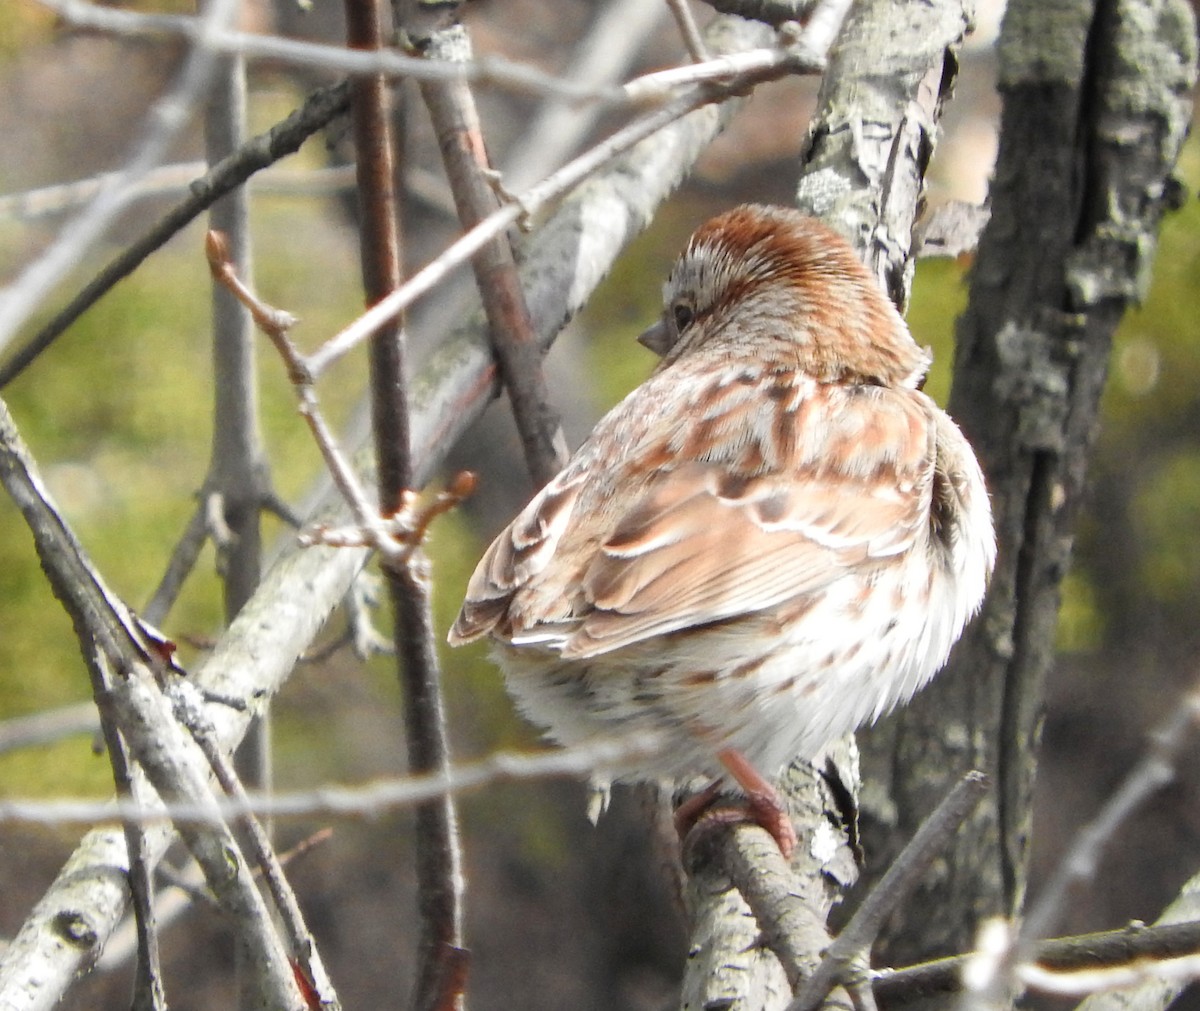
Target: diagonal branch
column 126, row 659
column 318, row 110
column 518, row 358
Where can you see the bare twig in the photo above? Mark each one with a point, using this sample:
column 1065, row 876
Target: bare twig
column 367, row 801
column 687, row 28
column 440, row 882
column 183, row 559
column 852, row 946
column 276, row 324
column 300, row 941
column 238, row 474
column 1109, row 955
column 1079, row 864
column 516, row 77
column 395, row 536
column 148, row 992
column 179, row 891
column 179, row 772
column 99, row 615
column 518, row 358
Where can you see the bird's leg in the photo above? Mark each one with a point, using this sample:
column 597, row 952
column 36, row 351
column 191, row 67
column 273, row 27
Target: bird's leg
column 694, row 808
column 765, row 804
column 766, row 808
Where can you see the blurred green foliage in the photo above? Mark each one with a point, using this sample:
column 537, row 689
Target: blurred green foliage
column 117, row 414
column 23, row 25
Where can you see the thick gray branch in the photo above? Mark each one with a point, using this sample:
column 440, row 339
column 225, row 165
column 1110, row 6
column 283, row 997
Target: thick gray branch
column 1096, row 106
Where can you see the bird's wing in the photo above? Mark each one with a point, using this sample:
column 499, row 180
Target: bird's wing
column 518, row 556
column 704, row 540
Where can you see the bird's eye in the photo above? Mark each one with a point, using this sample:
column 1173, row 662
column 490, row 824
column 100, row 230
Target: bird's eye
column 683, row 316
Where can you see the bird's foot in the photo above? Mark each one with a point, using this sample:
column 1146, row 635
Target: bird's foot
column 763, row 806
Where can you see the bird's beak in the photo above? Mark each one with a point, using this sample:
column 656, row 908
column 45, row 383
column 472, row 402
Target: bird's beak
column 656, row 338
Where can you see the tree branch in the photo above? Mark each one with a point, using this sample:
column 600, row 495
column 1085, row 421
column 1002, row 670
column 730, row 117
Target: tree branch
column 1061, row 258
column 518, row 357
column 318, row 110
column 440, row 881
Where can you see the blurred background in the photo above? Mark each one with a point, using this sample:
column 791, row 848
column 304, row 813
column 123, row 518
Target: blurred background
column 560, row 914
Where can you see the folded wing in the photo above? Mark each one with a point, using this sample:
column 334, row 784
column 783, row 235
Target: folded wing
column 706, row 540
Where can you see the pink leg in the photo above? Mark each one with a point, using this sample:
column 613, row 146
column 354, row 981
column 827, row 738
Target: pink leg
column 766, row 809
column 695, row 808
column 765, row 805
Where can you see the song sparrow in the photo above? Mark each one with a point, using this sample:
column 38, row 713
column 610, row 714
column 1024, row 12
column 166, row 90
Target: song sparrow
column 773, row 540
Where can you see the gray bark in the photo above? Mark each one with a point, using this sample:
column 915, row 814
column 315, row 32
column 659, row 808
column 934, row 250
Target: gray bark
column 1096, row 105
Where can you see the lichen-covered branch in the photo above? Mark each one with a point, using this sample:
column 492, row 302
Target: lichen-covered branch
column 1096, row 104
column 863, row 170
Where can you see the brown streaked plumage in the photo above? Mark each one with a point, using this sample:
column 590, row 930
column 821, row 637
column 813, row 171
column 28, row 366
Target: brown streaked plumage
column 774, row 539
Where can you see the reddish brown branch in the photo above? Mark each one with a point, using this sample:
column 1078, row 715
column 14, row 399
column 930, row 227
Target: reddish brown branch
column 514, row 342
column 439, row 870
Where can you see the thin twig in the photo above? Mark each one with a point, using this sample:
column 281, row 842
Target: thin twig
column 179, row 891
column 687, row 28
column 515, row 77
column 518, row 357
column 395, row 536
column 440, row 882
column 238, row 472
column 148, row 992
column 367, row 801
column 179, row 773
column 300, row 940
column 276, row 324
column 1115, row 950
column 897, row 884
column 1081, row 861
column 183, row 559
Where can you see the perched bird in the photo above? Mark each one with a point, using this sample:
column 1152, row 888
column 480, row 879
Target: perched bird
column 773, row 540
